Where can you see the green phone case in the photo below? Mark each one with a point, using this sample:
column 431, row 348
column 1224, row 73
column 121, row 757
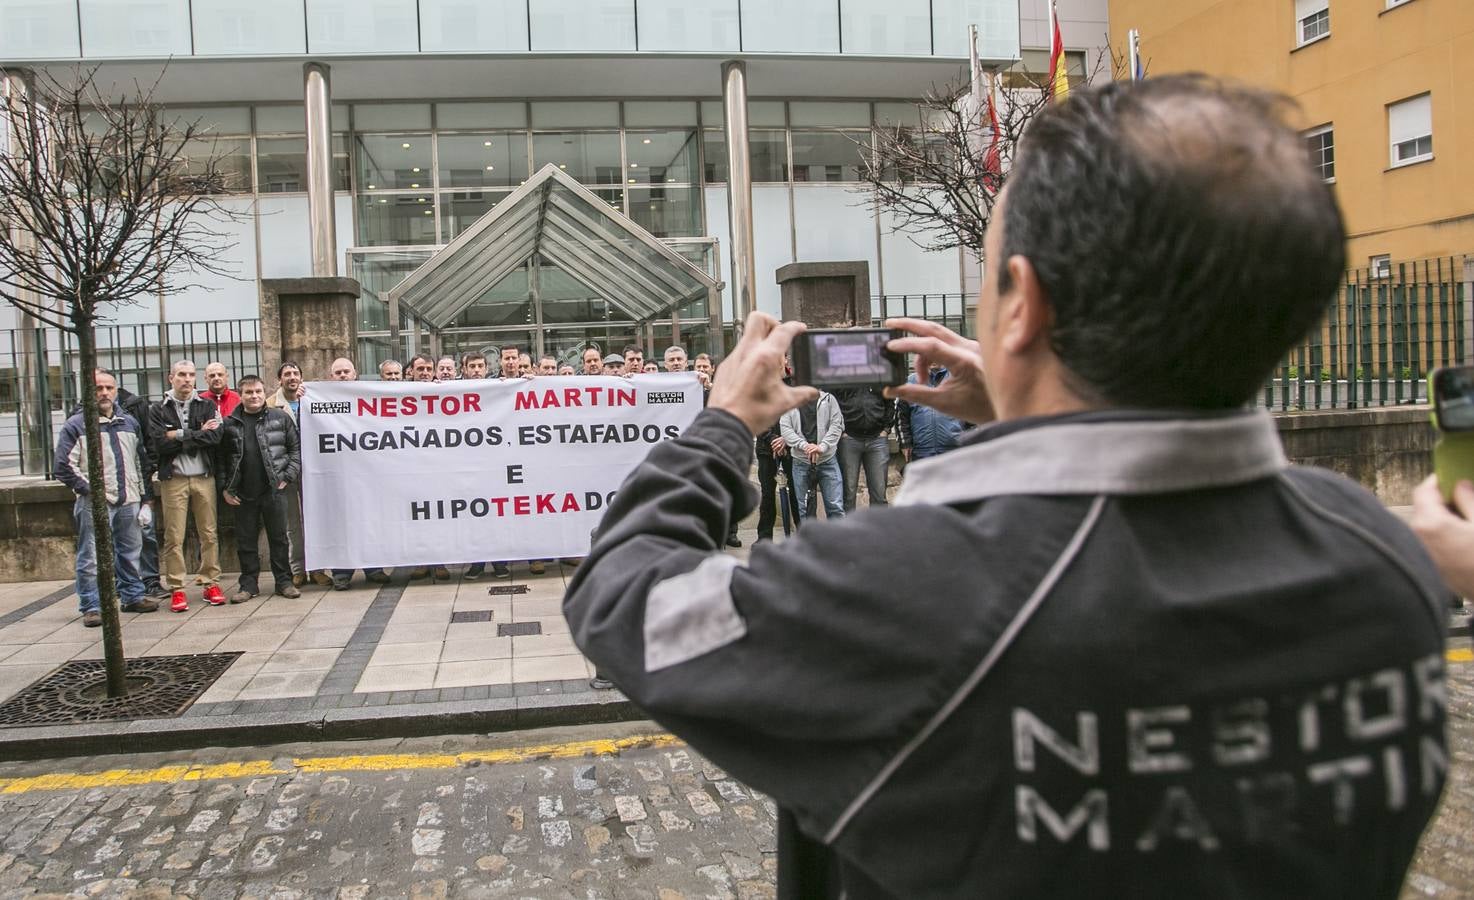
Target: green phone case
column 1453, row 460
column 1453, row 453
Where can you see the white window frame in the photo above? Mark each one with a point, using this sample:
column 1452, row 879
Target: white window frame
column 1307, row 11
column 1328, row 128
column 1393, row 4
column 1397, row 139
column 1381, row 266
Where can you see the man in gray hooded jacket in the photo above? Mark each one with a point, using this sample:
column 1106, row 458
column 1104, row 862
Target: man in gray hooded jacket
column 1113, row 645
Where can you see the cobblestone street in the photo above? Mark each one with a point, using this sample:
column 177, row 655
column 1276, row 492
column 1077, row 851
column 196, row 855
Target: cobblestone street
column 655, row 822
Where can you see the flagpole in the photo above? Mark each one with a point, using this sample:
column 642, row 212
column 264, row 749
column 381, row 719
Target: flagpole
column 1133, row 50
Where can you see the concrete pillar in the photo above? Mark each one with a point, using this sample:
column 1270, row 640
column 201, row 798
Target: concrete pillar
column 322, row 230
column 311, row 321
column 35, row 412
column 826, row 294
column 739, row 188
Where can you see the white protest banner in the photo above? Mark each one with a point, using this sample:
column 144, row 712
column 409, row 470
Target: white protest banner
column 398, row 473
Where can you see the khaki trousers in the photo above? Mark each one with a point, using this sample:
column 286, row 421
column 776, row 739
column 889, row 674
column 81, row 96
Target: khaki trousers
column 182, row 495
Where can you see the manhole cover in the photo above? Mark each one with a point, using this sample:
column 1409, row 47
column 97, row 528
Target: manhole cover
column 519, row 629
column 507, row 589
column 159, row 687
column 473, row 615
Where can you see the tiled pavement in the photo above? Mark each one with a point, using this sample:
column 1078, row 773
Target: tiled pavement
column 406, row 648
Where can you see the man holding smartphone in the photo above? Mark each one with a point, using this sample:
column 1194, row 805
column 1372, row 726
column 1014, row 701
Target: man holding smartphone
column 1113, row 645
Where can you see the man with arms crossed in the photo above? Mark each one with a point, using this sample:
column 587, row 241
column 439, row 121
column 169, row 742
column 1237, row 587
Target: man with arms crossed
column 1112, row 646
column 185, row 431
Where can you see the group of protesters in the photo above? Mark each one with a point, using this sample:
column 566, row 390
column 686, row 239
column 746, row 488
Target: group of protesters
column 194, row 449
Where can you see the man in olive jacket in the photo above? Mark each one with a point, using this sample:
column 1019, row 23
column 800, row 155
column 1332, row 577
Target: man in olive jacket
column 260, row 459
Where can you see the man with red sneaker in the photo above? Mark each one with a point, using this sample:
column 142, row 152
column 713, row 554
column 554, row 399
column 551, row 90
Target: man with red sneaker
column 185, row 430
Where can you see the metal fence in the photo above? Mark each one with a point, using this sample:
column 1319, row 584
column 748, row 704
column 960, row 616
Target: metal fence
column 1383, row 333
column 139, row 355
column 949, row 310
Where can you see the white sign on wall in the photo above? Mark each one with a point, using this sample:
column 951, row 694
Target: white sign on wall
column 419, row 473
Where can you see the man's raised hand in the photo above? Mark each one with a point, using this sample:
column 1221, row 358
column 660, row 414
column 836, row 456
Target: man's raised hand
column 749, row 382
column 964, row 394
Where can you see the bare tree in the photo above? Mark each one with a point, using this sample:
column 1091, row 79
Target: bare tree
column 105, row 200
column 928, row 175
column 933, row 175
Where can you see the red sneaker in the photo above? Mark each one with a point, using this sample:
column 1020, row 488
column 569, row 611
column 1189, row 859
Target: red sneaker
column 178, row 603
column 215, row 595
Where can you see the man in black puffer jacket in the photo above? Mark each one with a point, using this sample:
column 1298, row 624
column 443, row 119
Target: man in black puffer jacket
column 260, row 457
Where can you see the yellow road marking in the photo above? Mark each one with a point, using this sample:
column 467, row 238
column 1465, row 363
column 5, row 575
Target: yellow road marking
column 1464, row 655
column 65, row 781
column 394, row 761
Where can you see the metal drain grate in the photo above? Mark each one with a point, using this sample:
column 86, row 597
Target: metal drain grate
column 473, row 615
column 507, row 589
column 159, row 687
column 519, row 629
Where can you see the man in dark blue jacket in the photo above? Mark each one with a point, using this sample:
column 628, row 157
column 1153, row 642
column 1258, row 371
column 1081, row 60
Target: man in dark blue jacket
column 1114, row 645
column 926, row 432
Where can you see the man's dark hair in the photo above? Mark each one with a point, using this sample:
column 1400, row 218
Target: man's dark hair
column 287, row 364
column 633, row 348
column 1180, row 235
column 250, row 379
column 470, row 355
column 419, row 356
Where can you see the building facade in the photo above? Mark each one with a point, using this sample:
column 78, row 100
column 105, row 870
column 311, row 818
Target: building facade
column 1383, row 94
column 441, row 109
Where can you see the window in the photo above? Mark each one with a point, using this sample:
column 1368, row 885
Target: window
column 590, row 157
column 388, row 161
column 1410, row 128
column 1395, row 3
column 1312, row 20
column 281, row 164
column 827, row 155
column 767, row 155
column 1321, row 143
column 1382, row 266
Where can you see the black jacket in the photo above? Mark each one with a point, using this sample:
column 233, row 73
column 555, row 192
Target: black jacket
column 276, row 434
column 866, row 411
column 1081, row 657
column 162, row 418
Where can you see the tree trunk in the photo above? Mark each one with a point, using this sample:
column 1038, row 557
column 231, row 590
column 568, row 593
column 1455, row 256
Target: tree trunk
column 107, row 587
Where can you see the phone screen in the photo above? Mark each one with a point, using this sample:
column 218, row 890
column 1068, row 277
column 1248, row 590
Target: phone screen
column 1453, row 395
column 856, row 357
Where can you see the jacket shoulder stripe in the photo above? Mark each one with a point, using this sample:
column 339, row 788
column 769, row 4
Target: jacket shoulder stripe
column 692, row 614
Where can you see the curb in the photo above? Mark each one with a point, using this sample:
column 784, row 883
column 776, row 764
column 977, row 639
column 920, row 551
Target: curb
column 362, row 723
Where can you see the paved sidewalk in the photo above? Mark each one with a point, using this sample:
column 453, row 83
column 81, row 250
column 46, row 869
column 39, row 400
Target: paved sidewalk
column 401, row 659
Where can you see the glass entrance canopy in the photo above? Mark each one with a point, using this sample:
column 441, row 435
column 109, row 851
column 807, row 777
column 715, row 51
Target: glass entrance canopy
column 555, row 218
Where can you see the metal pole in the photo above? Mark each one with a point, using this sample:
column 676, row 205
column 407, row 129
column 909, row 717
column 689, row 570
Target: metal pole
column 323, row 231
column 1133, row 48
column 35, row 406
column 1468, row 348
column 739, row 188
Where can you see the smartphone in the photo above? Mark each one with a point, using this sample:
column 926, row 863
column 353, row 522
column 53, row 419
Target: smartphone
column 1453, row 415
column 848, row 357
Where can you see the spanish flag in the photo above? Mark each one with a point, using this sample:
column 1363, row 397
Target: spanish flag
column 1059, row 79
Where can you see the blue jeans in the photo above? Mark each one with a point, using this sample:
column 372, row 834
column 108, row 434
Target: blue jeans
column 831, row 485
column 127, row 544
column 874, row 453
